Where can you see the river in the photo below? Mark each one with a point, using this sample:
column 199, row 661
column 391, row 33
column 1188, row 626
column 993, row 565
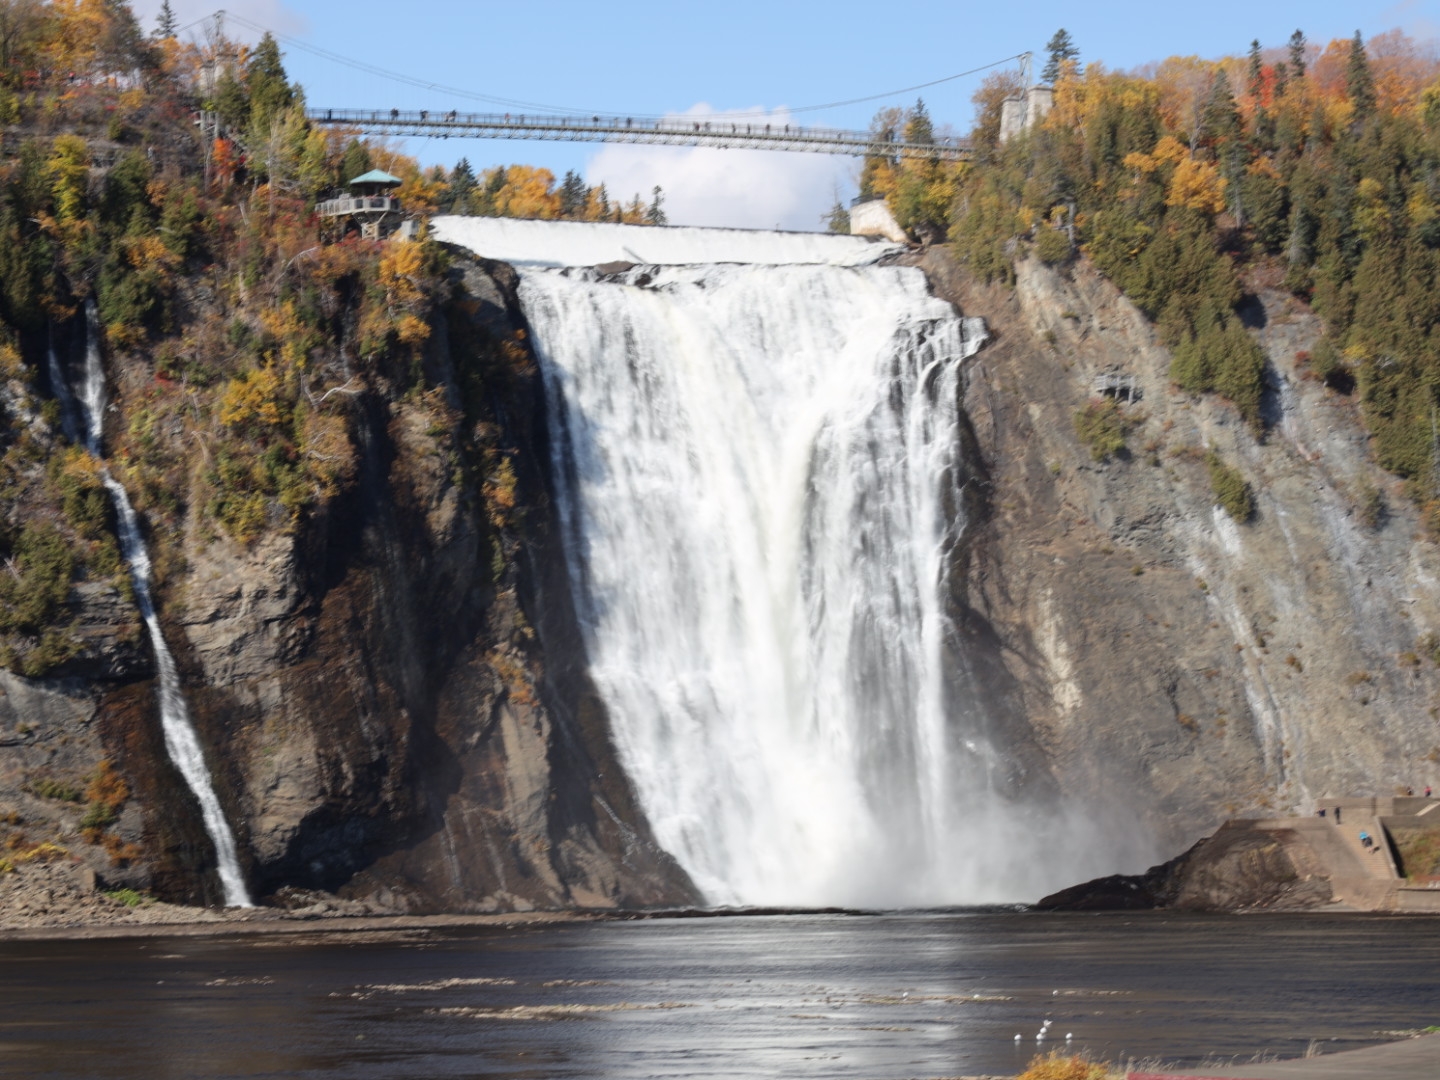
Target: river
column 880, row 996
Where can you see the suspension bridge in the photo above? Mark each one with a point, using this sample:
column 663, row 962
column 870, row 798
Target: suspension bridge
column 719, row 132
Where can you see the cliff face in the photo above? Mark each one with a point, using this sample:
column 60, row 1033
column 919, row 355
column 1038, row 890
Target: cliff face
column 394, row 699
column 1167, row 659
column 391, row 696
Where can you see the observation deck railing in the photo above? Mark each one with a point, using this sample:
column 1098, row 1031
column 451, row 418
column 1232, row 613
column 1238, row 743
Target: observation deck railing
column 356, row 204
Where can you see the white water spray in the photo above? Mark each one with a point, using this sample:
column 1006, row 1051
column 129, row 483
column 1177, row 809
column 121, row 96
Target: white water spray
column 181, row 742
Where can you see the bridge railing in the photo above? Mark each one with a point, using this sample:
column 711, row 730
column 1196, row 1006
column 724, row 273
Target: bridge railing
column 698, row 131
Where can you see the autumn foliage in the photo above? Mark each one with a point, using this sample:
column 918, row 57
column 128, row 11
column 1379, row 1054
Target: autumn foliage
column 1318, row 166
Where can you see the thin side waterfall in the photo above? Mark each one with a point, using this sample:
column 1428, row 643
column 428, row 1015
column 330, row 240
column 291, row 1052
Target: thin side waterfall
column 757, row 470
column 181, row 742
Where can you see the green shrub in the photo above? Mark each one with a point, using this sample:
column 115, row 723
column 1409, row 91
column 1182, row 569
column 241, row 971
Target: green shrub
column 48, row 787
column 1230, row 489
column 1221, row 357
column 1102, row 426
column 1052, row 245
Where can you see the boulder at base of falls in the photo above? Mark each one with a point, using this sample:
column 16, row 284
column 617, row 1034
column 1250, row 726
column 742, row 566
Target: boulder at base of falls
column 1242, row 866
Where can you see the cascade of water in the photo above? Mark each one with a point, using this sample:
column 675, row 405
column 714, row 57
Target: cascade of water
column 181, row 742
column 757, row 471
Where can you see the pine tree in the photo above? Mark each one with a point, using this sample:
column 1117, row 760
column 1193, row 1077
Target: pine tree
column 270, row 90
column 165, row 22
column 573, row 196
column 462, row 182
column 1256, row 88
column 355, row 161
column 655, row 213
column 1297, row 54
column 1060, row 48
column 1359, row 83
column 1220, row 119
column 838, row 219
column 918, row 128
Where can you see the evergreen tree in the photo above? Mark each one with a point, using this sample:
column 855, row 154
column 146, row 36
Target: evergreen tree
column 1060, row 49
column 918, row 128
column 1359, row 83
column 355, row 161
column 165, row 22
column 1297, row 54
column 1220, row 119
column 573, row 193
column 1256, row 87
column 462, row 182
column 838, row 219
column 655, row 213
column 270, row 90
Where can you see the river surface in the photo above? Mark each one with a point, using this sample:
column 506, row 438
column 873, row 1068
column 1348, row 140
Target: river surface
column 885, row 996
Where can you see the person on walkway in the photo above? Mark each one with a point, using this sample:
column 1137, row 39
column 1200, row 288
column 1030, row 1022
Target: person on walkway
column 1427, row 791
column 1337, row 815
column 1365, row 839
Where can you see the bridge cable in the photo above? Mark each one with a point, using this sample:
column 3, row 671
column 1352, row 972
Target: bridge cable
column 371, row 69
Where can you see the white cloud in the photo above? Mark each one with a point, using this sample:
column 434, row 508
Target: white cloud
column 271, row 14
column 758, row 189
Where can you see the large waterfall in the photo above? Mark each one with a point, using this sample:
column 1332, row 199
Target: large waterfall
column 181, row 742
column 757, row 469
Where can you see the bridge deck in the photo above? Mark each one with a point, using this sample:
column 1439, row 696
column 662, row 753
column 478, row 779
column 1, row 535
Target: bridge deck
column 674, row 131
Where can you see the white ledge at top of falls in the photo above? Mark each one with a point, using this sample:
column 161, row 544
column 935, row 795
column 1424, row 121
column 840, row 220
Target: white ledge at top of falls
column 593, row 243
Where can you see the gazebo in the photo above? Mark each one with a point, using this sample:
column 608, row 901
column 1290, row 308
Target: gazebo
column 370, row 206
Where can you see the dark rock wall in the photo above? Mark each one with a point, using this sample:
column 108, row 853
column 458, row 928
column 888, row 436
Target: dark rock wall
column 393, row 697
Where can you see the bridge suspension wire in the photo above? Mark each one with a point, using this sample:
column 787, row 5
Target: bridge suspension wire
column 531, row 106
column 671, row 131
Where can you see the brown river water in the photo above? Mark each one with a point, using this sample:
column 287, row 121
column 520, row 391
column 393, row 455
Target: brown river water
column 873, row 996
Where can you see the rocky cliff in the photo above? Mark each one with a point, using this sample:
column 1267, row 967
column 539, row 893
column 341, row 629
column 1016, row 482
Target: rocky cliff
column 394, row 699
column 392, row 696
column 1164, row 657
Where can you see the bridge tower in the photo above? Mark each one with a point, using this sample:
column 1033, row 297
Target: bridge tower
column 1026, row 108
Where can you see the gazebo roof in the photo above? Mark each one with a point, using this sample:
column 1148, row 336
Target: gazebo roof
column 375, row 176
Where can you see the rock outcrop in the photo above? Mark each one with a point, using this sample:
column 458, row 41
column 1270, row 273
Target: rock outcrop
column 1239, row 868
column 1178, row 667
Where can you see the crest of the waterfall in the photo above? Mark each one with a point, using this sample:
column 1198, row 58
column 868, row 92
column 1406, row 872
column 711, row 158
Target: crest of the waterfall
column 181, row 742
column 756, row 469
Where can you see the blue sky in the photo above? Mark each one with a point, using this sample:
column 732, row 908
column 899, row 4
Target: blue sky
column 742, row 55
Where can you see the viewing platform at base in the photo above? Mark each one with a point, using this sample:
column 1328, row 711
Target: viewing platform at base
column 1368, row 876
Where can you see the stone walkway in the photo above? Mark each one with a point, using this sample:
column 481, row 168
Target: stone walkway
column 1408, row 1059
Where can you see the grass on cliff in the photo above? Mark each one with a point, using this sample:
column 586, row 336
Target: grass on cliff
column 1102, row 427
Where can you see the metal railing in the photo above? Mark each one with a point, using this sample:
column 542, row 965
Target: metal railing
column 716, row 132
column 355, row 204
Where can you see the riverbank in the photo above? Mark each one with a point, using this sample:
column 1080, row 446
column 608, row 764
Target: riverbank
column 1407, row 1059
column 45, row 901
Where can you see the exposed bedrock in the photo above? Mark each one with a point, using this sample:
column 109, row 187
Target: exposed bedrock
column 392, row 698
column 1179, row 665
column 395, row 701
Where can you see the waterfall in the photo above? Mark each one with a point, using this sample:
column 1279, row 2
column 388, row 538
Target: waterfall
column 756, row 469
column 181, row 742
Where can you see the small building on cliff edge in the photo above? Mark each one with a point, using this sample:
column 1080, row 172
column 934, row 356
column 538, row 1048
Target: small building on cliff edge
column 371, row 207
